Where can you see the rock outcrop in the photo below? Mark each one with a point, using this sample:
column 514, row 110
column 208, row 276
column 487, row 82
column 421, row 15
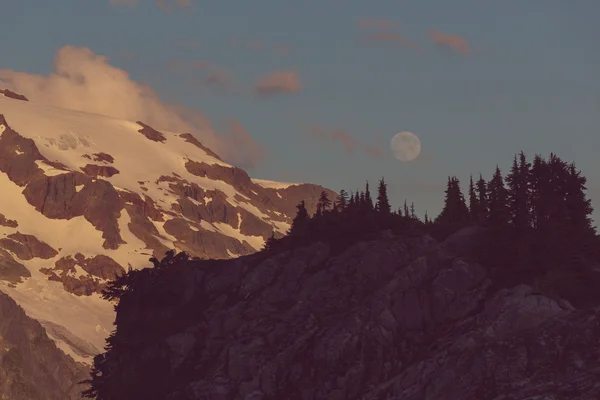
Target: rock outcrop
column 31, row 366
column 84, row 276
column 392, row 318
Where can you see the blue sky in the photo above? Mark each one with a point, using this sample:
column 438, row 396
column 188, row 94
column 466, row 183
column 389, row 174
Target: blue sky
column 530, row 80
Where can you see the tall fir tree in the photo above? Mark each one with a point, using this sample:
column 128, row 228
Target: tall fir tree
column 482, row 199
column 473, row 201
column 455, row 211
column 498, row 201
column 368, row 199
column 518, row 194
column 300, row 223
column 324, row 202
column 383, row 203
column 342, row 199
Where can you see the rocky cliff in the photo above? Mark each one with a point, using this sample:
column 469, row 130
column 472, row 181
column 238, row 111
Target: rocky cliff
column 389, row 318
column 84, row 196
column 31, row 366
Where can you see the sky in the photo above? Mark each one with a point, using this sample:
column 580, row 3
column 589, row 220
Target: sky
column 314, row 91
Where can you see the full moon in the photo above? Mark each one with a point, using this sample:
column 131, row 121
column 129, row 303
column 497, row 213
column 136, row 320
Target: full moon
column 406, row 146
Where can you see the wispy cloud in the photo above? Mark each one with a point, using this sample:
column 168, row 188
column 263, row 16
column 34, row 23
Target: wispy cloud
column 350, row 144
column 259, row 45
column 279, row 82
column 188, row 65
column 168, row 5
column 393, row 38
column 85, row 81
column 337, row 136
column 376, row 23
column 377, row 149
column 453, row 42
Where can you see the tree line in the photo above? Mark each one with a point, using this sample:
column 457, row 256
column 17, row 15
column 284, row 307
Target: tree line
column 536, row 218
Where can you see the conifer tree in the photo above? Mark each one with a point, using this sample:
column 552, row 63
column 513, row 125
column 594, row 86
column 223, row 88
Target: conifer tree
column 299, row 226
column 455, row 211
column 482, row 199
column 412, row 210
column 383, row 203
column 368, row 204
column 473, row 201
column 498, row 198
column 406, row 212
column 342, row 199
column 518, row 194
column 324, row 203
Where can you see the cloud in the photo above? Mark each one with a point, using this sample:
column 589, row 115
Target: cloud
column 342, row 137
column 376, row 23
column 389, row 37
column 85, row 81
column 242, row 147
column 453, row 42
column 129, row 3
column 180, row 65
column 278, row 82
column 165, row 4
column 220, row 78
column 169, row 5
column 376, row 150
column 260, row 45
column 337, row 135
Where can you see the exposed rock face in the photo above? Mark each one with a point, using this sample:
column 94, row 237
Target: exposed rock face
column 98, row 201
column 100, row 157
column 26, row 247
column 99, row 270
column 151, row 133
column 13, row 95
column 104, row 171
column 191, row 139
column 8, row 222
column 31, row 366
column 395, row 318
column 10, row 269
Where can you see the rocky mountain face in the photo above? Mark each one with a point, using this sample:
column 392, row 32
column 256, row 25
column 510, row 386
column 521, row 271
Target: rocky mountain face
column 86, row 196
column 391, row 318
column 31, row 366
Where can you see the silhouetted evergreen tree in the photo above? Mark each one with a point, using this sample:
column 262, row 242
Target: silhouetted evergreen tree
column 497, row 201
column 518, row 194
column 383, row 203
column 324, row 201
column 343, row 199
column 299, row 226
column 406, row 211
column 412, row 210
column 368, row 204
column 455, row 212
column 482, row 199
column 473, row 201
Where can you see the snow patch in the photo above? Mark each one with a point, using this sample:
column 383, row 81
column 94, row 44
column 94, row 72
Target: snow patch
column 274, row 185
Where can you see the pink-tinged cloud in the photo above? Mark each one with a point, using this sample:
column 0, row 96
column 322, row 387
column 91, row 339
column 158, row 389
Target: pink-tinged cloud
column 130, row 55
column 85, row 81
column 170, row 5
column 453, row 42
column 389, row 37
column 128, row 3
column 279, row 82
column 242, row 147
column 259, row 45
column 180, row 65
column 376, row 23
column 377, row 149
column 337, row 136
column 219, row 78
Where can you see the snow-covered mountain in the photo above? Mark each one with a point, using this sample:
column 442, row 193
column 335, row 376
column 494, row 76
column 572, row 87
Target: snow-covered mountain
column 84, row 196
